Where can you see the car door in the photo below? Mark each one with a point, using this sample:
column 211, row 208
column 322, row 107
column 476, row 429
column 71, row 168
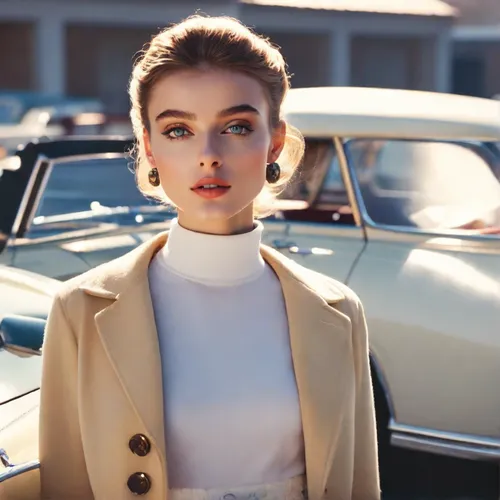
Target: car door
column 429, row 281
column 81, row 207
column 22, row 294
column 315, row 223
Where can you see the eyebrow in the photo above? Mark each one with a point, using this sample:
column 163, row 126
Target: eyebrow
column 186, row 115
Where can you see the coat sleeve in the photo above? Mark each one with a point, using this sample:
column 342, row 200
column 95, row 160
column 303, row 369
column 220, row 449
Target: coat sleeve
column 63, row 472
column 366, row 482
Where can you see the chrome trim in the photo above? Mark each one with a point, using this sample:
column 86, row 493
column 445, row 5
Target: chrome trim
column 4, row 458
column 426, row 233
column 27, row 194
column 353, row 182
column 452, row 444
column 347, row 178
column 17, row 470
column 306, row 228
column 39, row 193
column 86, row 214
column 93, row 156
column 436, row 434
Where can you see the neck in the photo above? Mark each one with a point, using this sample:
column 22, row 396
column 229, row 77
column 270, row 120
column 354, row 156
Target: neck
column 213, row 259
column 242, row 222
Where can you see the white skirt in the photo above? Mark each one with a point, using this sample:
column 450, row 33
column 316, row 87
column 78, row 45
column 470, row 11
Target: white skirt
column 292, row 489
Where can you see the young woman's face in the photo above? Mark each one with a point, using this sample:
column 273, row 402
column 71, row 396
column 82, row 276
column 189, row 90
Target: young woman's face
column 210, row 140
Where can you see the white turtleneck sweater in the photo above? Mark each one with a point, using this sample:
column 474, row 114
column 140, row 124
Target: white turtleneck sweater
column 232, row 415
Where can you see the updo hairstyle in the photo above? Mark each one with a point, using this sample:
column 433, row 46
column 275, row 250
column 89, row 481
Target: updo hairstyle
column 214, row 42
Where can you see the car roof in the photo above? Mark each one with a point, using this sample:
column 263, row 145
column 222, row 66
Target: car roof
column 376, row 112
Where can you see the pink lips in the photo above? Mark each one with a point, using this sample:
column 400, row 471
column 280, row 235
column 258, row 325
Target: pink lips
column 211, row 187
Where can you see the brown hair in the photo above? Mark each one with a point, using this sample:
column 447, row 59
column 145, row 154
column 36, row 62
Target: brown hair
column 216, row 42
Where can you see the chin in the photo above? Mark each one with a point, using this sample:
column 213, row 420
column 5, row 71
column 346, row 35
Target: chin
column 219, row 210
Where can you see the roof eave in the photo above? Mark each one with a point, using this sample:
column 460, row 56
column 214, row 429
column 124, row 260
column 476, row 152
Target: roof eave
column 447, row 12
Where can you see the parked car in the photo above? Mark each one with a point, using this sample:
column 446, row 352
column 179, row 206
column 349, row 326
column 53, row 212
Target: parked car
column 15, row 104
column 398, row 196
column 25, row 115
column 25, row 300
column 69, row 204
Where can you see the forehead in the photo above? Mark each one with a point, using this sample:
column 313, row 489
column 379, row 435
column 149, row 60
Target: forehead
column 205, row 92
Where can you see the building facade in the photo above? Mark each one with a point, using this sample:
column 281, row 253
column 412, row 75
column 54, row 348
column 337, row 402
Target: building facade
column 86, row 48
column 476, row 53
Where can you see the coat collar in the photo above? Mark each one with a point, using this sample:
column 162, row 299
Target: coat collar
column 320, row 338
column 117, row 275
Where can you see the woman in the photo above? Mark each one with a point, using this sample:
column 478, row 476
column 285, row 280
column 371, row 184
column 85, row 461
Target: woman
column 203, row 365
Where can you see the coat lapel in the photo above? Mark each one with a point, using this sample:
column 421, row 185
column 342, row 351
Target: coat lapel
column 322, row 357
column 128, row 332
column 319, row 335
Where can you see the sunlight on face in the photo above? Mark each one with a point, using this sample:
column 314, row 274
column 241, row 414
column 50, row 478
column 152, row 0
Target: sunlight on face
column 211, row 127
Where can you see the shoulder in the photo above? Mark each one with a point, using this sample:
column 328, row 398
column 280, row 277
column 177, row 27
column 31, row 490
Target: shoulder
column 107, row 280
column 332, row 291
column 335, row 293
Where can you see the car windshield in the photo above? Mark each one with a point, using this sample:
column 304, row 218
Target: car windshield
column 84, row 193
column 83, row 185
column 81, row 193
column 428, row 185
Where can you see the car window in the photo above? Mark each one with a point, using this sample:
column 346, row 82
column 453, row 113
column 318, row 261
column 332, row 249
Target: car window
column 428, row 185
column 77, row 186
column 83, row 193
column 333, row 189
column 318, row 184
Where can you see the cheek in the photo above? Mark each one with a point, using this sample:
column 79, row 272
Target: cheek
column 170, row 161
column 173, row 167
column 254, row 164
column 257, row 159
column 249, row 155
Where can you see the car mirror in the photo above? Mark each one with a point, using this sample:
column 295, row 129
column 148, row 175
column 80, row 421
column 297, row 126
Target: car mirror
column 22, row 333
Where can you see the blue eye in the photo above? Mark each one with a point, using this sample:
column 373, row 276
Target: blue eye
column 236, row 129
column 175, row 133
column 239, row 129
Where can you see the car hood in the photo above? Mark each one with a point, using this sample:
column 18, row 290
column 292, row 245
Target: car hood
column 25, row 293
column 19, row 428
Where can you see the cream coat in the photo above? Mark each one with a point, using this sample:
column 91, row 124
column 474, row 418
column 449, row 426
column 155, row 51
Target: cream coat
column 102, row 383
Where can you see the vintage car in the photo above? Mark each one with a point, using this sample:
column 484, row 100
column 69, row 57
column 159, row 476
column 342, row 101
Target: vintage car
column 25, row 300
column 398, row 196
column 26, row 114
column 69, row 204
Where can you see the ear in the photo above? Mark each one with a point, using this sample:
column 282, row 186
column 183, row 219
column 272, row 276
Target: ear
column 278, row 140
column 146, row 140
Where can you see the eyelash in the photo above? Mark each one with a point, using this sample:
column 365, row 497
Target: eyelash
column 169, row 130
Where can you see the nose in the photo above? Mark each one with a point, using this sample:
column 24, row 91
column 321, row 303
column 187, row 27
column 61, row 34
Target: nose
column 210, row 156
column 214, row 164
